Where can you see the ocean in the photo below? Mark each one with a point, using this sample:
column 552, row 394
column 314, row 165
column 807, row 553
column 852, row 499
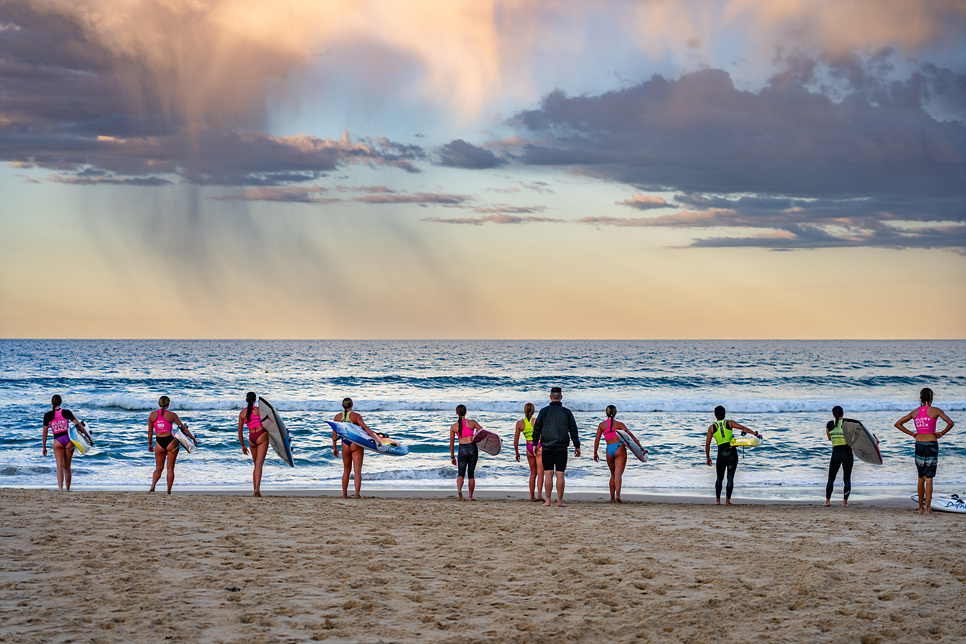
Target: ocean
column 665, row 392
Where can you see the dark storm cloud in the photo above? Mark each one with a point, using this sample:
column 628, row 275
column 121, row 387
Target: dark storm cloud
column 460, row 154
column 65, row 106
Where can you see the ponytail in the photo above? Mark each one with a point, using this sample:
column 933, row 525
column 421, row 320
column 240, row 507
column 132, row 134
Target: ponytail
column 611, row 413
column 163, row 402
column 250, row 399
column 925, row 396
column 528, row 410
column 460, row 412
column 55, row 401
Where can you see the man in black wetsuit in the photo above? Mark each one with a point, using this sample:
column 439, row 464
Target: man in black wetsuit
column 553, row 430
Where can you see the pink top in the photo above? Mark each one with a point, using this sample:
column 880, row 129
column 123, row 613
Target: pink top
column 610, row 433
column 463, row 429
column 59, row 424
column 924, row 424
column 161, row 426
column 254, row 423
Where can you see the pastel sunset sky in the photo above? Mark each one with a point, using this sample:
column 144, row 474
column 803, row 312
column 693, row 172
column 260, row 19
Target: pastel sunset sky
column 483, row 169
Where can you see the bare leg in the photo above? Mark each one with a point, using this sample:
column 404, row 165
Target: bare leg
column 259, row 451
column 928, row 486
column 358, row 453
column 459, row 486
column 346, row 468
column 472, row 487
column 611, row 483
column 922, row 492
column 538, row 457
column 159, row 456
column 620, row 462
column 560, row 490
column 61, row 458
column 533, row 475
column 547, row 487
column 172, row 457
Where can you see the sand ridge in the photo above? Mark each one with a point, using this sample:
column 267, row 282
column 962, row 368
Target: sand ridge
column 133, row 567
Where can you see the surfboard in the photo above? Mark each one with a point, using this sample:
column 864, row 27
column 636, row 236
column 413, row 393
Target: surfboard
column 488, row 442
column 80, row 437
column 355, row 434
column 945, row 502
column 748, row 440
column 185, row 440
column 864, row 444
column 631, row 445
column 278, row 436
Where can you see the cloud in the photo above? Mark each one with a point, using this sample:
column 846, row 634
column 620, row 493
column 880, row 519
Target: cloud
column 460, row 154
column 290, row 194
column 423, row 198
column 499, row 218
column 643, row 202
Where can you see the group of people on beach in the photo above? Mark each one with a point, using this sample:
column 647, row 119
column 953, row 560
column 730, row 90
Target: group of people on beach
column 547, row 438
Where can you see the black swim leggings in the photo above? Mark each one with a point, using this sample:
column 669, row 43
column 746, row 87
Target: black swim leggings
column 727, row 460
column 466, row 459
column 841, row 455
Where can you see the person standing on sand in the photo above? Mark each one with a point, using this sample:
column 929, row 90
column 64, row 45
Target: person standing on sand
column 257, row 438
column 165, row 446
column 553, row 430
column 927, row 444
column 534, row 453
column 352, row 454
column 58, row 422
column 722, row 430
column 616, row 450
column 464, row 429
column 841, row 456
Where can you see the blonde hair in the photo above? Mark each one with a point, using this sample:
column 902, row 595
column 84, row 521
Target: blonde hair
column 528, row 410
column 163, row 402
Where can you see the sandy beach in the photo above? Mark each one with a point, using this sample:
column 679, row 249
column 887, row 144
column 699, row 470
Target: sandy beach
column 131, row 567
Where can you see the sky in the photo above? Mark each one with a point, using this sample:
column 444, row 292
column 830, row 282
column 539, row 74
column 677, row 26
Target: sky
column 482, row 169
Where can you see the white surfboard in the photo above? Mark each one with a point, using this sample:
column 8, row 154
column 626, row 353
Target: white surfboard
column 631, row 445
column 864, row 444
column 278, row 436
column 80, row 437
column 185, row 440
column 945, row 503
column 355, row 434
column 488, row 442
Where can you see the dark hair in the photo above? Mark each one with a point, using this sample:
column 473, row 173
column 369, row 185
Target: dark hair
column 460, row 411
column 250, row 399
column 346, row 403
column 611, row 411
column 555, row 390
column 55, row 401
column 719, row 412
column 837, row 412
column 528, row 410
column 163, row 402
column 925, row 396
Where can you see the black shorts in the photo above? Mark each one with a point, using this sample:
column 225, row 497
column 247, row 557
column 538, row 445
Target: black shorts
column 164, row 441
column 927, row 458
column 554, row 459
column 466, row 459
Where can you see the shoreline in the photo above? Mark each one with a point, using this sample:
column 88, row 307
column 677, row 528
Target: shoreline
column 891, row 496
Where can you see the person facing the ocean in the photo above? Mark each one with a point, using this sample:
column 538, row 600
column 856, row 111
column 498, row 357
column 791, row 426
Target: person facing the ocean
column 927, row 443
column 534, row 455
column 722, row 431
column 841, row 456
column 616, row 450
column 257, row 438
column 58, row 421
column 464, row 429
column 352, row 454
column 553, row 430
column 162, row 443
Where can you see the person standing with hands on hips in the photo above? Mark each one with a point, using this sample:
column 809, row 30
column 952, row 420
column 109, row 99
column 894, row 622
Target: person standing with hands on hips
column 553, row 430
column 927, row 443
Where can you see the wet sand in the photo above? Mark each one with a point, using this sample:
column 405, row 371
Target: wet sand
column 113, row 566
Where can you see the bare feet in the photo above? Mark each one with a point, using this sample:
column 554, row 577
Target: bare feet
column 717, row 501
column 257, row 493
column 546, row 504
column 345, row 496
column 844, row 503
column 460, row 492
column 727, row 501
column 538, row 500
column 828, row 503
column 149, row 491
column 561, row 505
column 619, row 500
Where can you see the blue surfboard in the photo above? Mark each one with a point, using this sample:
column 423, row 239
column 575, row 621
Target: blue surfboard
column 355, row 434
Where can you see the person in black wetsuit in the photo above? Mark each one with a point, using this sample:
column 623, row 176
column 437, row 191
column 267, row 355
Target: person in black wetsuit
column 722, row 430
column 553, row 430
column 841, row 457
